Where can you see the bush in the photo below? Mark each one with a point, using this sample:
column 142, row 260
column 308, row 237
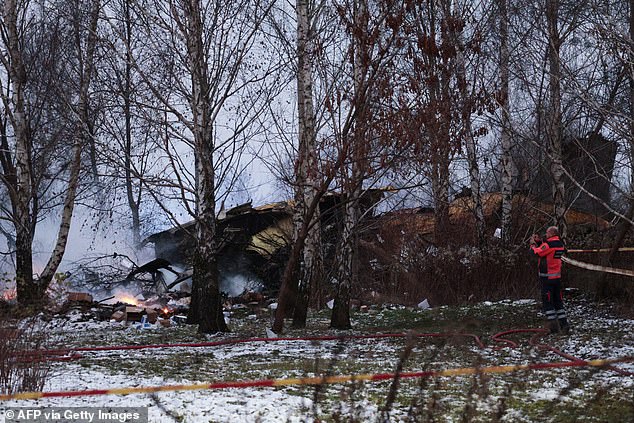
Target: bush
column 22, row 367
column 449, row 275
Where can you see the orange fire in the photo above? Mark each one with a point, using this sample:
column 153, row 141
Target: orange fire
column 166, row 310
column 127, row 298
column 9, row 295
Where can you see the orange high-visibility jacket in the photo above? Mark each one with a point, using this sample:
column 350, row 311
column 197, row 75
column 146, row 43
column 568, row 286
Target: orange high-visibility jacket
column 550, row 253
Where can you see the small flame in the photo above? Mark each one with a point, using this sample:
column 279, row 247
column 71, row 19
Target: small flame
column 166, row 310
column 128, row 299
column 9, row 295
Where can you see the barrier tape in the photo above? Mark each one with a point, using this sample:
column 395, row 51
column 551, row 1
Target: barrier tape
column 318, row 380
column 596, row 267
column 601, row 250
column 535, row 341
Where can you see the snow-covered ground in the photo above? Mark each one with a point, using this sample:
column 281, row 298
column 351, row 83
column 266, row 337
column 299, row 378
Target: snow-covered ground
column 598, row 335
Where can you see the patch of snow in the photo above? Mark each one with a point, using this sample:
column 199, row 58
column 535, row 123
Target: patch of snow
column 525, row 301
column 227, row 405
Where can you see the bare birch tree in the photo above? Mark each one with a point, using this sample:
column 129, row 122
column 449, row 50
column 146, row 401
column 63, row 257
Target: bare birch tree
column 122, row 136
column 17, row 161
column 465, row 32
column 211, row 69
column 30, row 90
column 315, row 24
column 353, row 170
column 342, row 115
column 307, row 179
column 86, row 44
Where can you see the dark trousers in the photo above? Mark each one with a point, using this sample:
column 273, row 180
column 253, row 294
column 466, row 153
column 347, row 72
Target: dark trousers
column 552, row 301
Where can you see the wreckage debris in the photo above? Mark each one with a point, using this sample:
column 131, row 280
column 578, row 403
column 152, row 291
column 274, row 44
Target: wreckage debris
column 165, row 310
column 127, row 308
column 80, row 297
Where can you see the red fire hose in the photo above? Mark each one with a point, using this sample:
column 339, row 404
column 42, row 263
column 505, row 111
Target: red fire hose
column 69, row 354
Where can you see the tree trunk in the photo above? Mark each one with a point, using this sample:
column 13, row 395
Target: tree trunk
column 347, row 266
column 288, row 288
column 28, row 294
column 205, row 278
column 476, row 195
column 23, row 220
column 554, row 130
column 67, row 216
column 353, row 175
column 505, row 129
column 441, row 140
column 133, row 203
column 310, row 270
column 470, row 142
column 440, row 192
column 306, row 168
column 206, row 307
column 84, row 136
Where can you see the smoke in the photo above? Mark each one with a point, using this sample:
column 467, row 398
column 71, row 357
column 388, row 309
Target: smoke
column 238, row 283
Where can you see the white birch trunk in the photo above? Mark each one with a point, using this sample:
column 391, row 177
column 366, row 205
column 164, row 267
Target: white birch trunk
column 440, row 191
column 206, row 307
column 306, row 168
column 84, row 137
column 27, row 292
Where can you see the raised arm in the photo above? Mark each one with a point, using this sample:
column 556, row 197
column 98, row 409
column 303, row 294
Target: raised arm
column 541, row 250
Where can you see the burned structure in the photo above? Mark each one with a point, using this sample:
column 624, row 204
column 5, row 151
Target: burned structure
column 250, row 241
column 396, row 249
column 253, row 242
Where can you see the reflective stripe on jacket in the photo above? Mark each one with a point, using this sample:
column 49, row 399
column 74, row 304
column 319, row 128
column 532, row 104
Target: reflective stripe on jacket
column 550, row 253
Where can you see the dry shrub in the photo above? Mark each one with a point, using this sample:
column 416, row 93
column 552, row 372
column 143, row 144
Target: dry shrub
column 408, row 271
column 400, row 264
column 22, row 368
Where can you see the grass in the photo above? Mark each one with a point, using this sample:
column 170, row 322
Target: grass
column 562, row 395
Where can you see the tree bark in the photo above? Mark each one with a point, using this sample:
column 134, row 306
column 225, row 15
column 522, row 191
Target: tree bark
column 554, row 129
column 288, row 289
column 470, row 142
column 27, row 291
column 306, row 168
column 505, row 127
column 206, row 307
column 133, row 203
column 440, row 192
column 347, row 272
column 441, row 141
column 84, row 136
column 347, row 265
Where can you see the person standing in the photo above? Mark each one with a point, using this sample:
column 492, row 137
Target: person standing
column 550, row 252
